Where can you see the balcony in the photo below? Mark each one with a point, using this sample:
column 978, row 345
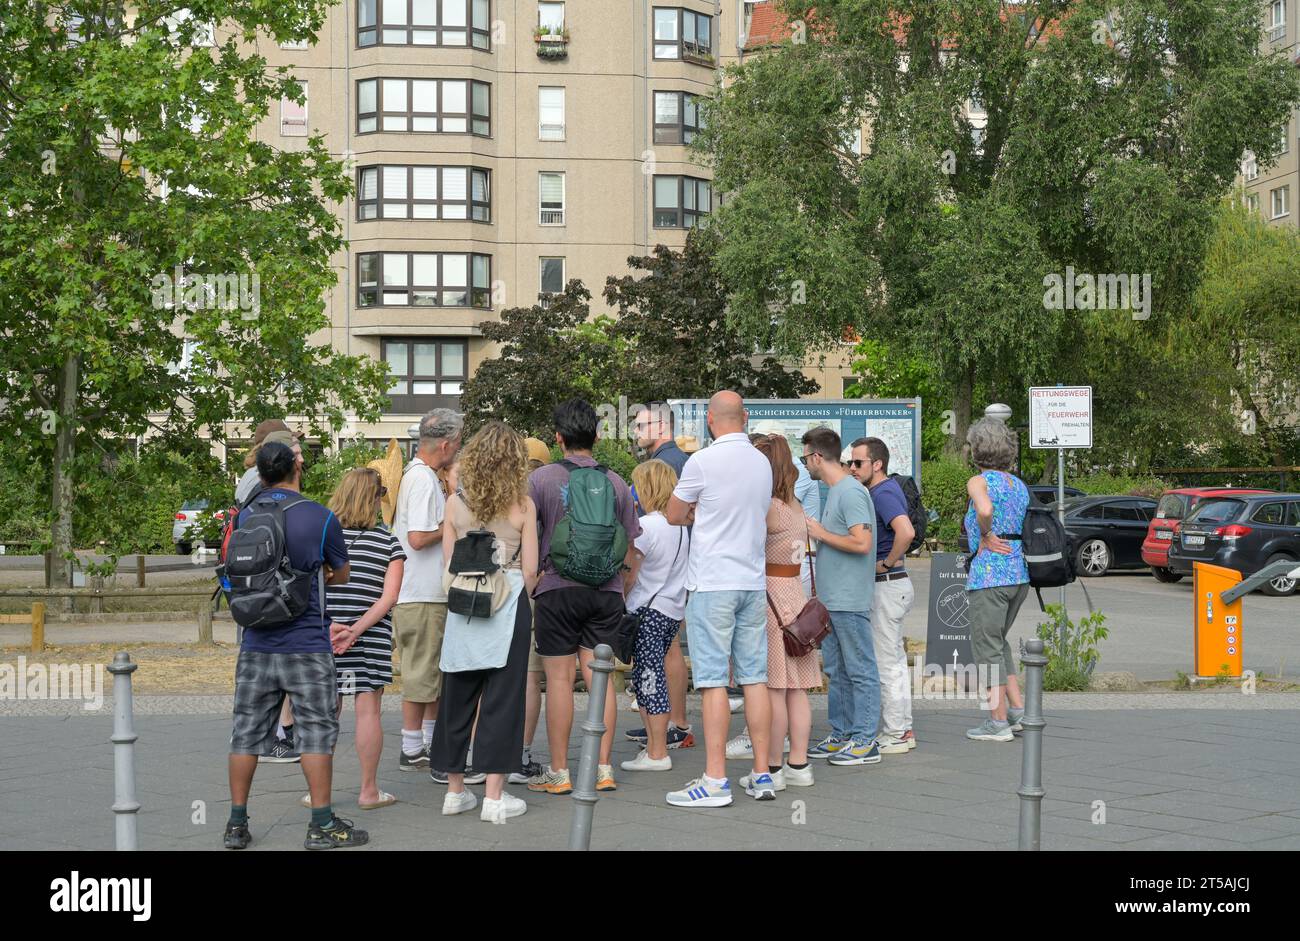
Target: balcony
column 551, row 44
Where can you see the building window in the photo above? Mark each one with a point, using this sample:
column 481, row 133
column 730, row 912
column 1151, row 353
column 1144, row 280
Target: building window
column 550, row 196
column 1277, row 21
column 423, row 372
column 677, row 117
column 293, row 116
column 550, row 17
column 1252, row 202
column 550, row 279
column 434, row 106
column 294, row 44
column 424, row 23
column 203, row 34
column 1249, row 166
column 550, row 114
column 424, row 279
column 1284, row 144
column 400, row 192
column 680, row 201
column 1279, row 201
column 683, row 34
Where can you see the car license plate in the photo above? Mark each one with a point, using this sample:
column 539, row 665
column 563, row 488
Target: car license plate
column 1164, row 534
column 1193, row 540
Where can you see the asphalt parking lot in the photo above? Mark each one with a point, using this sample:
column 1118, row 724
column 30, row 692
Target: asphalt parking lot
column 1150, row 623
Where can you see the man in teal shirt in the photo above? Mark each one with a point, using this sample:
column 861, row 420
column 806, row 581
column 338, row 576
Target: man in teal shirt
column 846, row 562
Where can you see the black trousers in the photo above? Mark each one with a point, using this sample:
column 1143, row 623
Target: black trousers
column 498, row 696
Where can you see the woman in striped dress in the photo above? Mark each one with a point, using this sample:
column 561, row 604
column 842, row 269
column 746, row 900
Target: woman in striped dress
column 361, row 630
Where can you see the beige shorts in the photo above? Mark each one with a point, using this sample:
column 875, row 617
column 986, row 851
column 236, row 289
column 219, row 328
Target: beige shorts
column 419, row 627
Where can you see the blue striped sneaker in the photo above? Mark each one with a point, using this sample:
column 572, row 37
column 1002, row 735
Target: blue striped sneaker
column 699, row 793
column 761, row 787
column 856, row 753
column 827, row 746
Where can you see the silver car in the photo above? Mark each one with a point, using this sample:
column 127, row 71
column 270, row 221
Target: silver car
column 190, row 513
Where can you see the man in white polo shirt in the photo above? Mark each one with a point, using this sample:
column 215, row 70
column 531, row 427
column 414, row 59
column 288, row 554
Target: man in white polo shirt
column 725, row 491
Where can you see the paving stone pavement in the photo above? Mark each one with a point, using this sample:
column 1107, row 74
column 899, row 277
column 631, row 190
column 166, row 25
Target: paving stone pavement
column 1169, row 778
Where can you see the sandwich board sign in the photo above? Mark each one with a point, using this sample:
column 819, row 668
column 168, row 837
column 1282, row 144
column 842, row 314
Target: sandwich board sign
column 947, row 634
column 1060, row 417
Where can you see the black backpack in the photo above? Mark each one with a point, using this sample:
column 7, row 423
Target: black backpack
column 915, row 510
column 1049, row 554
column 265, row 590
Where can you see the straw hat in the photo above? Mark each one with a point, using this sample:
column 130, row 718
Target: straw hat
column 688, row 443
column 390, row 475
column 537, row 450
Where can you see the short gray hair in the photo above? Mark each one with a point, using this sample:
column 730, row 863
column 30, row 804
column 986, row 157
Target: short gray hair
column 993, row 445
column 441, row 424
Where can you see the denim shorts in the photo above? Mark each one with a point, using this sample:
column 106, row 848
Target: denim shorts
column 727, row 626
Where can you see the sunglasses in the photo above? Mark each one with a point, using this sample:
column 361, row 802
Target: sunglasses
column 855, row 464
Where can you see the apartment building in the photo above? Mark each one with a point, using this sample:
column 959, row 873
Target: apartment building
column 1272, row 191
column 500, row 148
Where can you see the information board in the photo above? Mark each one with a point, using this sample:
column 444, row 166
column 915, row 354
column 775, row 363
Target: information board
column 897, row 422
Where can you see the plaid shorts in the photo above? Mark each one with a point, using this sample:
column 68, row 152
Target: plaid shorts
column 262, row 679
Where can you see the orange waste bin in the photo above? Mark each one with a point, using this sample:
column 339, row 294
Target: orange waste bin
column 1217, row 637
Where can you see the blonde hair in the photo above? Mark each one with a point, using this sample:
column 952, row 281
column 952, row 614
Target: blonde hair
column 355, row 498
column 654, row 482
column 494, row 471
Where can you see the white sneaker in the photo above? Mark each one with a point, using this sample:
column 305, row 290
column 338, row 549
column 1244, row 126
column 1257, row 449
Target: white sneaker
column 796, row 777
column 499, row 811
column 740, row 747
column 735, row 703
column 643, row 762
column 778, row 780
column 305, row 800
column 458, row 803
column 743, row 747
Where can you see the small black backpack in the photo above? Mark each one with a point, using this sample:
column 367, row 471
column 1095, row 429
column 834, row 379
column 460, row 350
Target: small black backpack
column 915, row 510
column 1049, row 555
column 265, row 590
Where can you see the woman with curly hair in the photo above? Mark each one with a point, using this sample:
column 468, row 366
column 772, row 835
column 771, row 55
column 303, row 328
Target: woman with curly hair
column 485, row 660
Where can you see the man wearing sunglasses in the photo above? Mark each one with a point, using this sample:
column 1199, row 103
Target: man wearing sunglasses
column 846, row 556
column 894, row 593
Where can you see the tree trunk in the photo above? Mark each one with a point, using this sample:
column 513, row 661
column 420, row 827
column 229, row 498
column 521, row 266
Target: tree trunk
column 961, row 409
column 61, row 497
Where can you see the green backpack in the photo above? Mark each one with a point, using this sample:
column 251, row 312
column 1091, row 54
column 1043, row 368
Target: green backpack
column 589, row 543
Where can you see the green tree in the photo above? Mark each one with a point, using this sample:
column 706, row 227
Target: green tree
column 1244, row 327
column 548, row 355
column 1104, row 134
column 672, row 316
column 142, row 213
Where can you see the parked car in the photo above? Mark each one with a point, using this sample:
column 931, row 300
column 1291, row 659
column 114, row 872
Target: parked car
column 1244, row 533
column 189, row 515
column 1107, row 531
column 1047, row 493
column 1173, row 509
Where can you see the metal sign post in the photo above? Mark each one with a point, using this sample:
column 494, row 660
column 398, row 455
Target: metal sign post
column 1060, row 417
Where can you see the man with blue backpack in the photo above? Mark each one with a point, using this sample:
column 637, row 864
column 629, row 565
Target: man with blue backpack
column 586, row 524
column 283, row 551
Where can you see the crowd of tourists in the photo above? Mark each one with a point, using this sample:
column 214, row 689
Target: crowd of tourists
column 503, row 570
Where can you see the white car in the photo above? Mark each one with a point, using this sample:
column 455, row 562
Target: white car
column 190, row 513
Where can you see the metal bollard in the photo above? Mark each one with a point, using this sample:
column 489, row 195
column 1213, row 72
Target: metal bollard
column 125, row 805
column 1031, row 768
column 593, row 727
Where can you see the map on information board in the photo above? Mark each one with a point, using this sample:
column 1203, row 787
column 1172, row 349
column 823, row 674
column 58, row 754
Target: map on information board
column 897, row 435
column 897, row 422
